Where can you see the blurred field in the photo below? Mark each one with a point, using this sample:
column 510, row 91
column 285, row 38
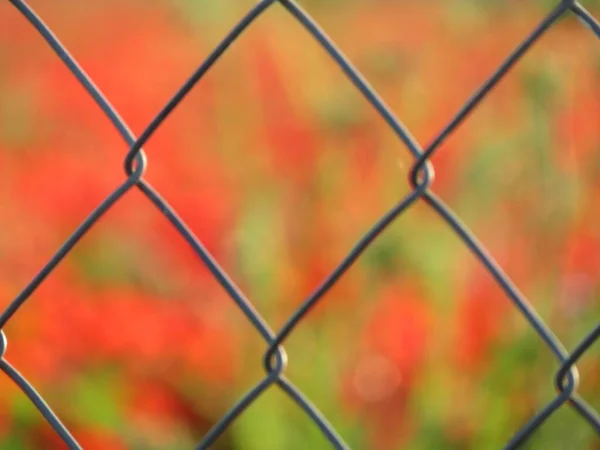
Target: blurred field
column 279, row 165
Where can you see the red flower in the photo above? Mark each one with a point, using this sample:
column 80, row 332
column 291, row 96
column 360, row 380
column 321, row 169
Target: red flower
column 479, row 321
column 395, row 345
column 399, row 328
column 290, row 141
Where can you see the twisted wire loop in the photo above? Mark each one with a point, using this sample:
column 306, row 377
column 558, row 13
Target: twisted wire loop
column 421, row 177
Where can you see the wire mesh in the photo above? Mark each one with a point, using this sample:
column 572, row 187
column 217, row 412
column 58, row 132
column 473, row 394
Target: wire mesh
column 421, row 178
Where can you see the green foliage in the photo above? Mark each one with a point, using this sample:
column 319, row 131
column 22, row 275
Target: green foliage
column 97, row 400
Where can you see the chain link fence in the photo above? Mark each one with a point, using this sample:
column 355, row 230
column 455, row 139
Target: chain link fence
column 421, row 179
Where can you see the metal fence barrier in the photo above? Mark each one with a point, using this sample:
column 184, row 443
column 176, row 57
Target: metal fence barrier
column 421, row 178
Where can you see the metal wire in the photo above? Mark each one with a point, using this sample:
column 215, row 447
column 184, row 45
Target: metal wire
column 421, row 178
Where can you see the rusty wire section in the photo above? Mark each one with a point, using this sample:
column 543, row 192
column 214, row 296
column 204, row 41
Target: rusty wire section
column 421, row 179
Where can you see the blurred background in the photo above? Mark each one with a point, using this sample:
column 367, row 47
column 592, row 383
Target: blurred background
column 279, row 165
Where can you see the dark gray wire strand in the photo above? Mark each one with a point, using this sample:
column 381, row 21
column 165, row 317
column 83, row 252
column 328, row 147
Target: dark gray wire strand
column 346, row 263
column 586, row 18
column 257, row 321
column 527, row 430
column 518, row 298
column 184, row 231
column 488, row 86
column 14, row 306
column 313, row 412
column 399, row 129
column 213, row 266
column 585, row 410
column 573, row 357
column 501, row 278
column 420, row 180
column 535, row 321
column 224, row 423
column 40, row 404
column 90, row 87
column 358, row 81
column 231, row 37
column 144, row 186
